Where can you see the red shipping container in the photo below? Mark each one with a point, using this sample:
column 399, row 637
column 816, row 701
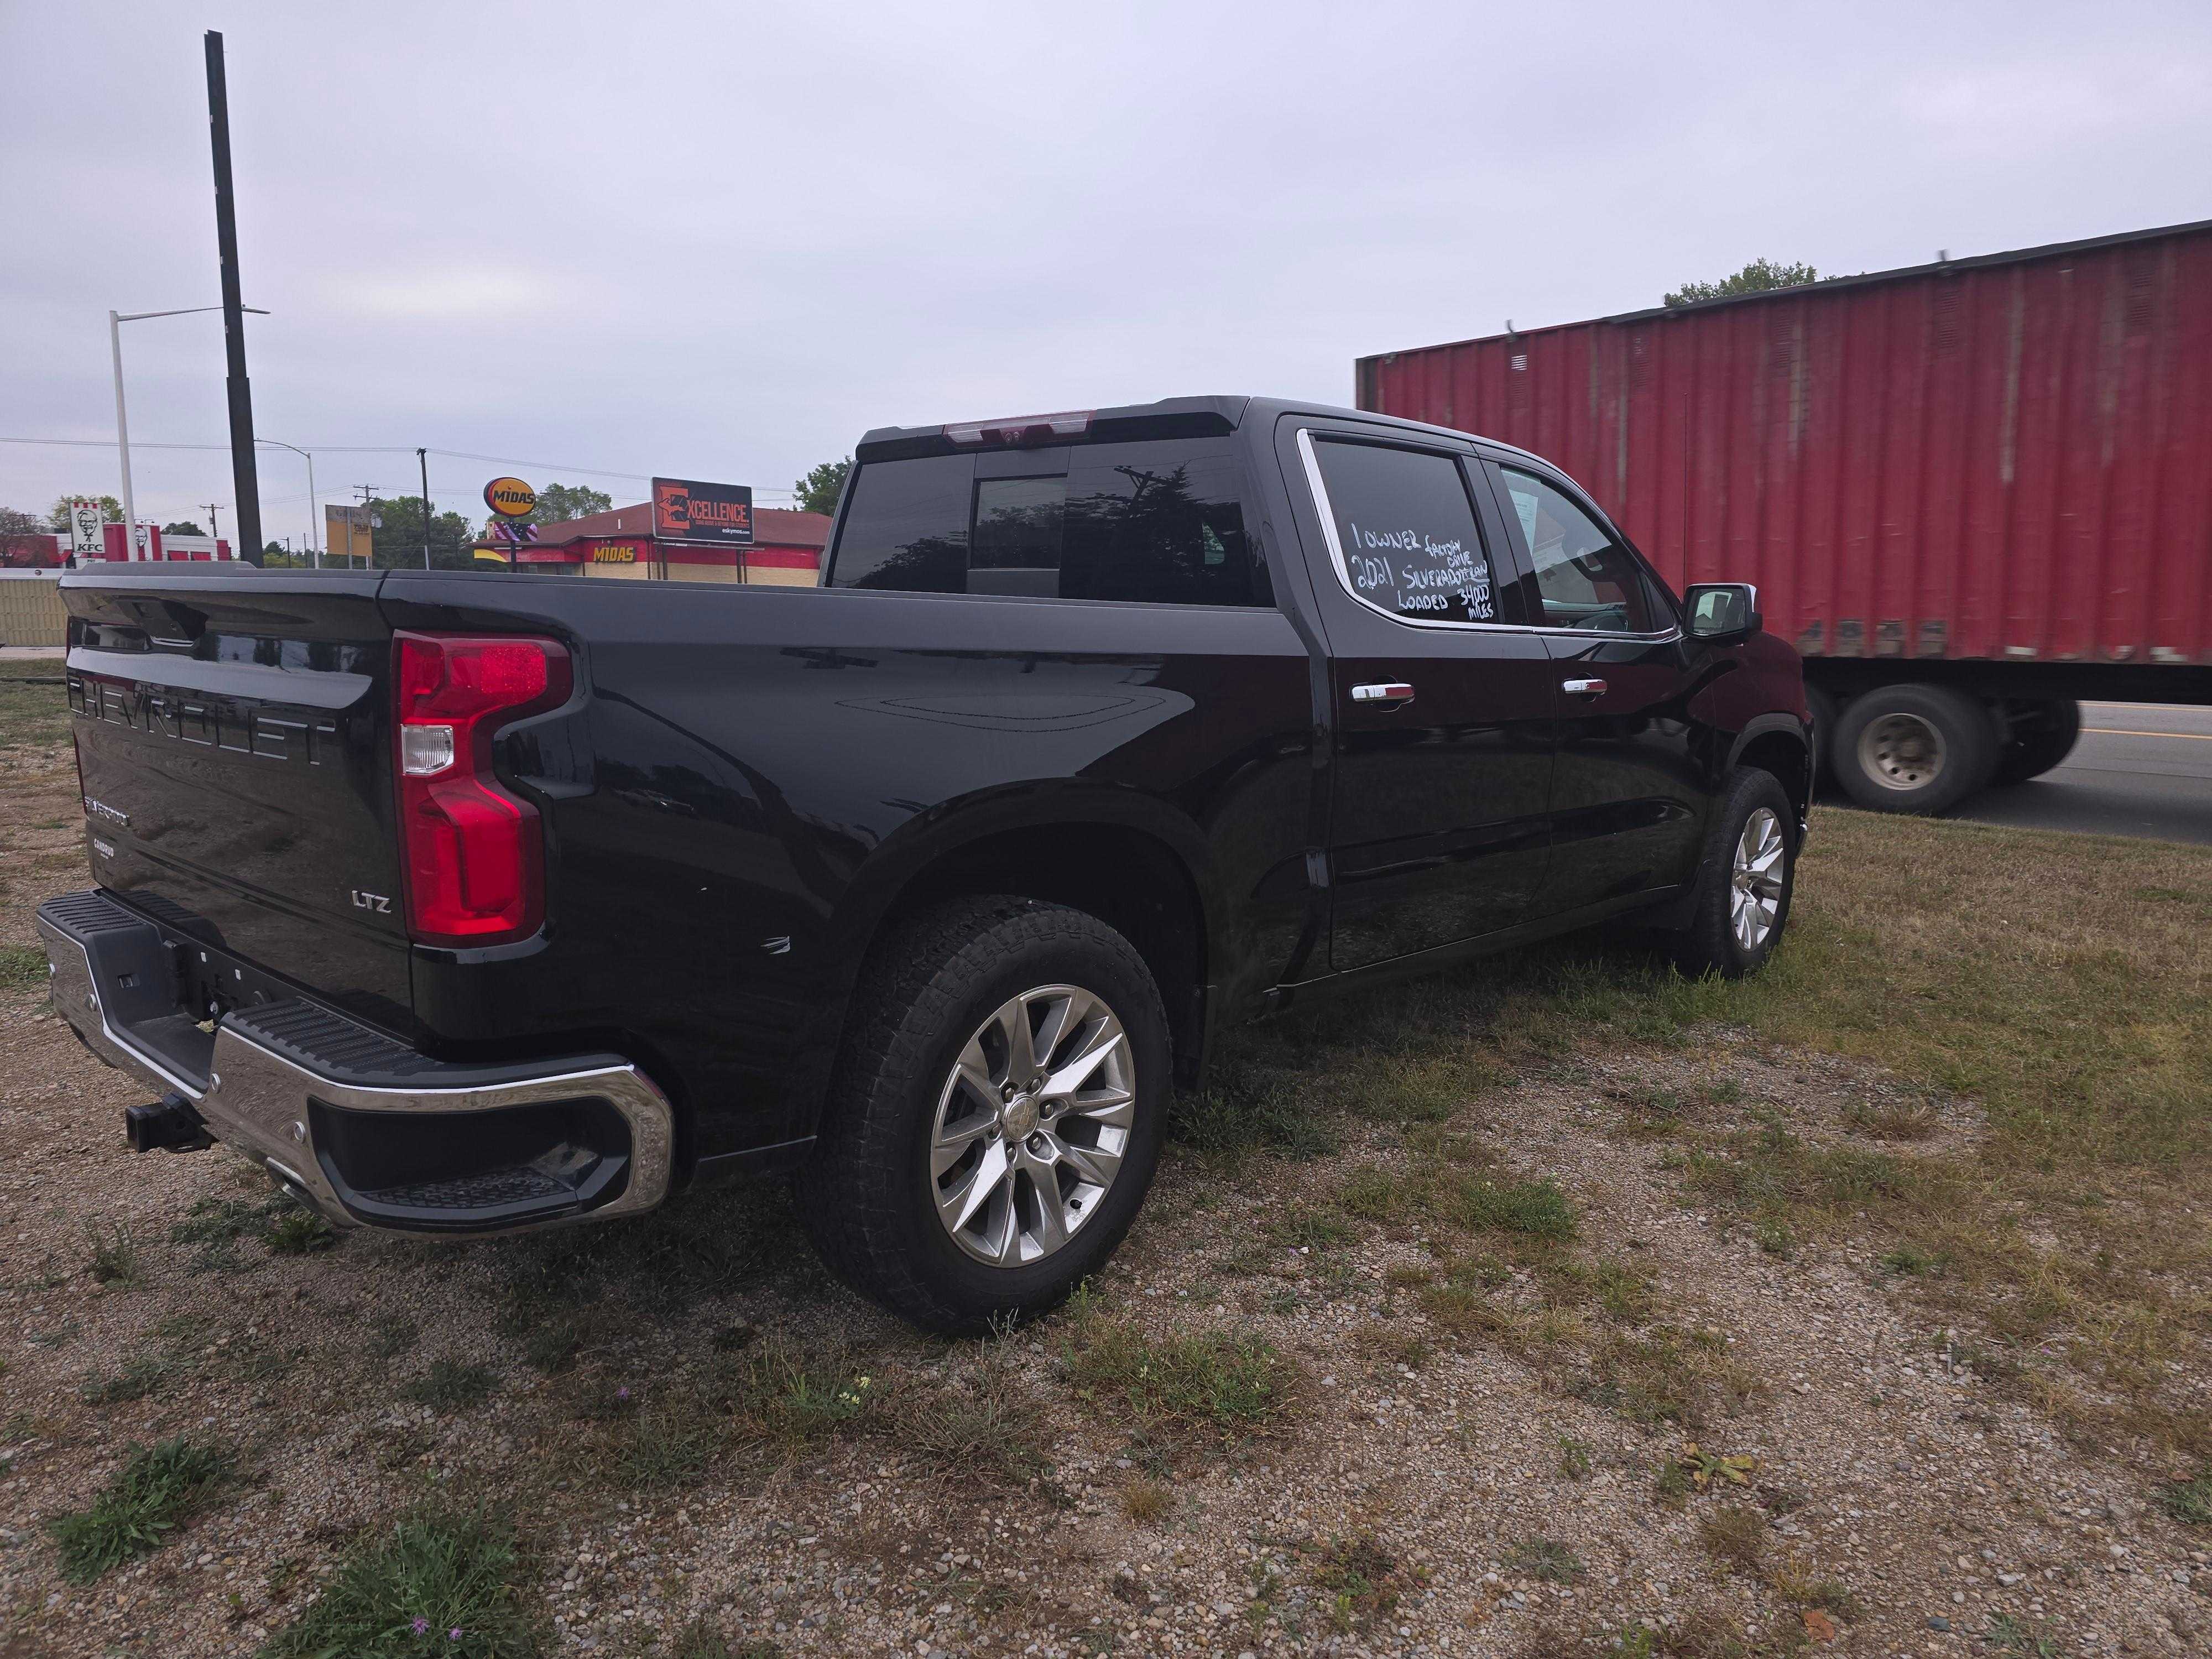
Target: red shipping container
column 2004, row 458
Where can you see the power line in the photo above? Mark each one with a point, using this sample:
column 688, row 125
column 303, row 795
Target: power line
column 547, row 467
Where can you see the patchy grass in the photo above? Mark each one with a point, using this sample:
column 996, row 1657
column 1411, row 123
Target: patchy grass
column 141, row 1376
column 22, row 968
column 450, row 1385
column 1546, row 1560
column 2189, row 1502
column 434, row 1583
column 113, row 1259
column 296, row 1231
column 1213, row 1383
column 158, row 1489
column 1735, row 1536
column 1361, row 1576
column 789, row 1397
column 1144, row 1500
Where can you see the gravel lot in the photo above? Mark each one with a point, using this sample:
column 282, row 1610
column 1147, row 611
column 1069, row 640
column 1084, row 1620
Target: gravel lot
column 1472, row 1440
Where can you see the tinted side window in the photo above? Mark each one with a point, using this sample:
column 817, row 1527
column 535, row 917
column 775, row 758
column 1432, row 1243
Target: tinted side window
column 1160, row 522
column 1155, row 522
column 1586, row 579
column 1408, row 530
column 906, row 527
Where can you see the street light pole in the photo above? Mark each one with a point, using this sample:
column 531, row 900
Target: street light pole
column 115, row 321
column 314, row 537
column 122, row 438
column 423, row 456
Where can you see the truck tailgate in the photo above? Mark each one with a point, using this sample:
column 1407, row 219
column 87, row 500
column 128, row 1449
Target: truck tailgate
column 234, row 739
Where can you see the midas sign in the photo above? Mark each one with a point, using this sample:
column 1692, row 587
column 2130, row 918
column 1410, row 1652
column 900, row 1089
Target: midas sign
column 510, row 498
column 615, row 553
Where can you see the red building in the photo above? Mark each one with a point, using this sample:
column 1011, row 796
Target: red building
column 786, row 550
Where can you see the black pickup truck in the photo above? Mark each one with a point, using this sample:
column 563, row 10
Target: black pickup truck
column 468, row 902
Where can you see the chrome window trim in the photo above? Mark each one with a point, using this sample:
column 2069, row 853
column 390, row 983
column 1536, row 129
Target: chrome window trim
column 1328, row 516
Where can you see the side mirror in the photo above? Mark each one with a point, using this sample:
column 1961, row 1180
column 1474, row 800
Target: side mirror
column 1723, row 610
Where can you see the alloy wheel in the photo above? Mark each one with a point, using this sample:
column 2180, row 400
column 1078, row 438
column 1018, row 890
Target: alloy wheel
column 1031, row 1125
column 1755, row 880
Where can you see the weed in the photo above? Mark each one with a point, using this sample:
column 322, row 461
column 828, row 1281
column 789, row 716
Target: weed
column 449, row 1385
column 2008, row 1635
column 1243, row 1112
column 1906, row 1259
column 1914, row 1119
column 1208, row 1381
column 158, row 1488
column 297, row 1231
column 1670, row 1486
column 435, row 1582
column 1545, row 1559
column 1373, row 1194
column 2188, row 1501
column 1708, row 1470
column 22, row 968
column 1736, row 1536
column 976, row 1426
column 663, row 1449
column 114, row 1258
column 139, row 1378
column 392, row 1335
column 1145, row 1501
column 1574, row 1458
column 1776, row 1238
column 1532, row 1209
column 1624, row 1294
column 550, row 1344
column 1362, row 1576
column 791, row 1397
column 1308, row 1230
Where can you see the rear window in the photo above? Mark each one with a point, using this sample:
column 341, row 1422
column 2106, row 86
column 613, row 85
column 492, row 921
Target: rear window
column 1159, row 523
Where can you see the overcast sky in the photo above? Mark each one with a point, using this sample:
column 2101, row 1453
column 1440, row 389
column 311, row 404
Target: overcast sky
column 719, row 241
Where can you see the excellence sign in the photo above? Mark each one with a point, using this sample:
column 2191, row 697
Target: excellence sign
column 685, row 510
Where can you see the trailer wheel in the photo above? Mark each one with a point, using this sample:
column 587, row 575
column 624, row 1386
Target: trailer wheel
column 1914, row 748
column 2043, row 735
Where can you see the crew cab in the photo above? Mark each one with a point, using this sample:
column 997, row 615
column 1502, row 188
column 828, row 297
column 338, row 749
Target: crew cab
column 467, row 902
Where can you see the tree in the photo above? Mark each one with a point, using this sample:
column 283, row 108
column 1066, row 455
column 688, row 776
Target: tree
column 818, row 490
column 58, row 519
column 558, row 503
column 182, row 527
column 276, row 556
column 400, row 542
column 1757, row 277
column 16, row 522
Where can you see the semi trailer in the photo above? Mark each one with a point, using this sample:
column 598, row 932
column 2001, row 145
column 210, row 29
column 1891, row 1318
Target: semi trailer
column 1972, row 493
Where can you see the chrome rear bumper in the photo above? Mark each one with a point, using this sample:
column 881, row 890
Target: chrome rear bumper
column 278, row 1079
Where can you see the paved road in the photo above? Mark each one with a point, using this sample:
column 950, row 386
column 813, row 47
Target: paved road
column 2140, row 769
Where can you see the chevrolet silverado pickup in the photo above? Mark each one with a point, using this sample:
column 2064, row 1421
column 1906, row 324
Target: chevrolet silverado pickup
column 467, row 902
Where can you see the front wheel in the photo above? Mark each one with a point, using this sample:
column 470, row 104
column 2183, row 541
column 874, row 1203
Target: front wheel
column 1745, row 882
column 997, row 1114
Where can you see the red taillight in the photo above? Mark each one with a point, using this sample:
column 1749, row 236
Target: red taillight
column 474, row 854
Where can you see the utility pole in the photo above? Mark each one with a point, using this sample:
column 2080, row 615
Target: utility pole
column 368, row 494
column 215, row 530
column 423, row 456
column 245, row 483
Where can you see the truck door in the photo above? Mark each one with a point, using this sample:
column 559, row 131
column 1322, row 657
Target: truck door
column 1441, row 701
column 1629, row 797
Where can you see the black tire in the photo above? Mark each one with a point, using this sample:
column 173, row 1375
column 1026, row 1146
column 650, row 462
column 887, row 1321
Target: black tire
column 1708, row 943
column 1914, row 748
column 866, row 1198
column 2043, row 734
column 1824, row 709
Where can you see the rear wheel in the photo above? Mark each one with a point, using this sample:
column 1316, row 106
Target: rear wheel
column 997, row 1114
column 1744, row 883
column 2043, row 734
column 1914, row 748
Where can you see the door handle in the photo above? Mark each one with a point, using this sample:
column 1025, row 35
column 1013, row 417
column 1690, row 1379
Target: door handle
column 1391, row 693
column 1583, row 687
